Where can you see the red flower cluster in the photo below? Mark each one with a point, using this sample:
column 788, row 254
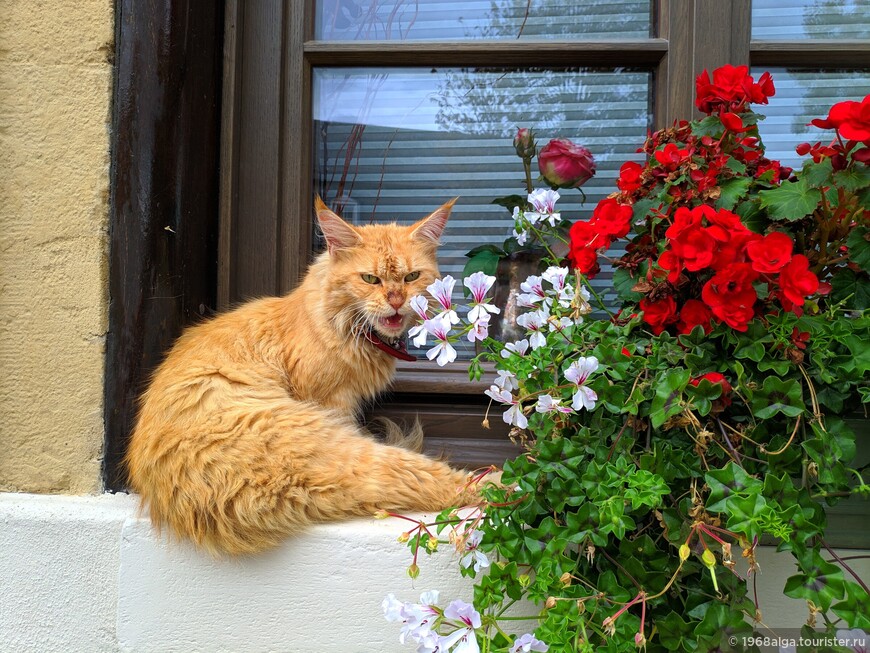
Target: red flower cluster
column 610, row 220
column 694, row 264
column 852, row 122
column 731, row 90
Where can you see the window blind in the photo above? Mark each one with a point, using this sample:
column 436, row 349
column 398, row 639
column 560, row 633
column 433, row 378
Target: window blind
column 393, row 145
column 481, row 19
column 810, row 19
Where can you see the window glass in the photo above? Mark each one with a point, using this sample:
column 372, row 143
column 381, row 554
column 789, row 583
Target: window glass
column 387, row 20
column 802, row 95
column 810, row 19
column 394, row 144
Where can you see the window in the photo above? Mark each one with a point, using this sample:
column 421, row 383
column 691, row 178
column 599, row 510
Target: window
column 387, row 108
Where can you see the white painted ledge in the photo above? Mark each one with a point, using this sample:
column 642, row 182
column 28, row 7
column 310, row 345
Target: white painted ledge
column 86, row 574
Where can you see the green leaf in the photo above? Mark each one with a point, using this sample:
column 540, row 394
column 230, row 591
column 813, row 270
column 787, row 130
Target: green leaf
column 778, row 396
column 668, row 394
column 511, row 201
column 853, row 178
column 859, row 247
column 822, row 583
column 485, row 261
column 732, row 191
column 854, row 609
column 709, row 126
column 752, row 216
column 729, row 483
column 791, row 201
column 623, row 283
column 817, row 174
column 852, row 288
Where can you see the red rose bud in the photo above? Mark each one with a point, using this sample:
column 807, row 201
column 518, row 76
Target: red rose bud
column 771, row 253
column 564, row 164
column 524, row 143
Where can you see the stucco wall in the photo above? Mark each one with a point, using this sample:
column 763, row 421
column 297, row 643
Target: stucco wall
column 55, row 93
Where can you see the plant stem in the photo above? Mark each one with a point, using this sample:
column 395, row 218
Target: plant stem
column 844, row 565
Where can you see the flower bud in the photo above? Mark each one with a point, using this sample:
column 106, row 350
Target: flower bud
column 639, row 640
column 524, row 143
column 708, row 558
column 413, row 571
column 684, row 552
column 404, row 537
column 550, row 602
column 564, row 164
column 381, row 514
column 581, row 606
column 432, row 545
column 525, row 580
column 565, row 579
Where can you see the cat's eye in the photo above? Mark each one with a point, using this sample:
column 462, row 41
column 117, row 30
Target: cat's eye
column 370, row 278
column 412, row 276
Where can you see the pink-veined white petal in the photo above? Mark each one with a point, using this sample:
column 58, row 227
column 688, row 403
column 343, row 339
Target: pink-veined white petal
column 442, row 291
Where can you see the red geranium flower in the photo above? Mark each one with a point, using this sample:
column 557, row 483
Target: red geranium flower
column 851, row 119
column 659, row 313
column 629, row 177
column 611, row 218
column 671, row 156
column 730, row 295
column 796, row 280
column 732, row 87
column 585, row 260
column 770, row 253
column 695, row 313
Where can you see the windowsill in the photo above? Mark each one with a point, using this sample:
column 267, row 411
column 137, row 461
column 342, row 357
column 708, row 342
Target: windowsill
column 87, row 573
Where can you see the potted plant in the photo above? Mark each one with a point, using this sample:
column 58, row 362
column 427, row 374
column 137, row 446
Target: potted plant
column 663, row 444
column 539, row 230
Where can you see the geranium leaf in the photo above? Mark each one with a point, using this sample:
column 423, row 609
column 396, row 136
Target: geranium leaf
column 732, row 190
column 668, row 393
column 853, row 178
column 791, row 201
column 817, row 174
column 859, row 247
column 778, row 396
column 852, row 288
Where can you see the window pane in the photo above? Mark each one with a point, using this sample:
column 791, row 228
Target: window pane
column 395, row 144
column 810, row 19
column 388, row 20
column 802, row 95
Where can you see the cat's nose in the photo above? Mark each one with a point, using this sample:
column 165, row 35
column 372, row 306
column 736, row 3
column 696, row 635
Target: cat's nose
column 395, row 299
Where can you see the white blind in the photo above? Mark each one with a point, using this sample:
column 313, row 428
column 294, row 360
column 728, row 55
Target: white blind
column 421, row 137
column 810, row 19
column 802, row 95
column 481, row 19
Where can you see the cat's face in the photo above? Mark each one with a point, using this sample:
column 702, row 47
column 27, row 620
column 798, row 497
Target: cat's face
column 375, row 270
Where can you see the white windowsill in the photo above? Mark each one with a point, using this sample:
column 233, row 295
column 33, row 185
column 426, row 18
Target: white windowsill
column 87, row 574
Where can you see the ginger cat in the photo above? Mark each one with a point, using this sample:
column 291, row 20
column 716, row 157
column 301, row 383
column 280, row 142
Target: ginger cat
column 247, row 431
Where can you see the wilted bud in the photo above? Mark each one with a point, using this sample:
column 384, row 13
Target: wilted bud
column 524, row 143
column 581, row 606
column 813, row 470
column 404, row 537
column 485, row 423
column 639, row 640
column 565, row 578
column 564, row 164
column 413, row 571
column 609, row 627
column 550, row 602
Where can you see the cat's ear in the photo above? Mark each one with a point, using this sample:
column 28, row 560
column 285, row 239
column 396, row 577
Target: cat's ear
column 338, row 233
column 430, row 228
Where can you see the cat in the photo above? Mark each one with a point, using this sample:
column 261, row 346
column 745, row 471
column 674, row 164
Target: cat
column 247, row 431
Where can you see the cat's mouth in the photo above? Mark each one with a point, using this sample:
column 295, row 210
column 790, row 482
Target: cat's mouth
column 392, row 324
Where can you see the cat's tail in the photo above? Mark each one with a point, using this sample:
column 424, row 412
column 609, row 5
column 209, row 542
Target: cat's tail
column 245, row 493
column 395, row 436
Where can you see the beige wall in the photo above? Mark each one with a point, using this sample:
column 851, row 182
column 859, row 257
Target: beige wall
column 55, row 92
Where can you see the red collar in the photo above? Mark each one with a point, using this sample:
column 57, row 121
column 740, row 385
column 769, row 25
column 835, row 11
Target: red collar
column 400, row 351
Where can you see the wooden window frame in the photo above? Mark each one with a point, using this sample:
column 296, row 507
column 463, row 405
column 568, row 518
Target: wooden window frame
column 211, row 161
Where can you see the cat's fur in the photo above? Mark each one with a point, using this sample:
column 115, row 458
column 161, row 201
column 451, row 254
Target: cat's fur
column 247, row 432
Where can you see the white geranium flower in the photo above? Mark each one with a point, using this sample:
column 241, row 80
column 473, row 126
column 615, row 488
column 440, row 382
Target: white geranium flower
column 506, row 380
column 543, row 203
column 473, row 556
column 578, row 372
column 514, row 415
column 439, row 329
column 479, row 283
column 442, row 291
column 520, row 347
column 479, row 328
column 463, row 637
column 527, row 643
column 535, row 322
column 546, row 404
column 534, row 288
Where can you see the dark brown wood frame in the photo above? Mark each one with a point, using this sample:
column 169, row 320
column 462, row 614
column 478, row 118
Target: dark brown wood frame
column 164, row 195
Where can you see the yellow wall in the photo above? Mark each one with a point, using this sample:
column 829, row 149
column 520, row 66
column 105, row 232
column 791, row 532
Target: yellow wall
column 55, row 92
